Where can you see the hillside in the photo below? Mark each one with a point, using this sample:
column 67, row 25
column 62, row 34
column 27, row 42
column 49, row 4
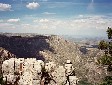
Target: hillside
column 53, row 48
column 40, row 46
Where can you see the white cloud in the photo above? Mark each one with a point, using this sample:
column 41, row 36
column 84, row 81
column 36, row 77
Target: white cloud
column 36, row 21
column 43, row 0
column 13, row 20
column 32, row 5
column 48, row 13
column 85, row 24
column 5, row 7
column 81, row 16
column 46, row 23
column 6, row 26
column 43, row 20
column 81, row 23
column 26, row 26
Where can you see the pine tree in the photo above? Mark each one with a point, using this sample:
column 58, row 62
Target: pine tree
column 106, row 59
column 107, row 47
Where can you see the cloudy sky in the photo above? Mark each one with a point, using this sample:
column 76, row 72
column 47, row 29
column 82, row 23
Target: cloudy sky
column 61, row 17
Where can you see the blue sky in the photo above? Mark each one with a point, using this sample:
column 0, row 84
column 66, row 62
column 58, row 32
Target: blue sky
column 61, row 17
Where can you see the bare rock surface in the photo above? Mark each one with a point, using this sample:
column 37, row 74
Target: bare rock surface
column 4, row 55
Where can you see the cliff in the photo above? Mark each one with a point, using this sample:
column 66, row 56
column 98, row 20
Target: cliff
column 42, row 47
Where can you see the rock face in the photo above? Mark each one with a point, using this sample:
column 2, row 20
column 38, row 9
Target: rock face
column 4, row 55
column 25, row 46
column 20, row 71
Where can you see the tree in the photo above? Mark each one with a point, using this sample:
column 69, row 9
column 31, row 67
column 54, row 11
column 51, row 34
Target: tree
column 107, row 47
column 107, row 80
column 103, row 45
column 107, row 58
column 109, row 32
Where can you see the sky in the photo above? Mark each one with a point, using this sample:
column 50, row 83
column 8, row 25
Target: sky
column 60, row 17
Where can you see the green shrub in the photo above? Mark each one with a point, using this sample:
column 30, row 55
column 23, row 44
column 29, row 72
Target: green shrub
column 107, row 80
column 105, row 60
column 1, row 80
column 84, row 82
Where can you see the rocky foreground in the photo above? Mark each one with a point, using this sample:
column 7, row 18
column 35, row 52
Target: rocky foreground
column 20, row 71
column 56, row 49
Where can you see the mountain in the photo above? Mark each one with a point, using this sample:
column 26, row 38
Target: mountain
column 39, row 46
column 56, row 49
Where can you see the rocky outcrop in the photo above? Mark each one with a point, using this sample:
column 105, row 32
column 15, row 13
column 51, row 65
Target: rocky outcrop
column 4, row 55
column 20, row 71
